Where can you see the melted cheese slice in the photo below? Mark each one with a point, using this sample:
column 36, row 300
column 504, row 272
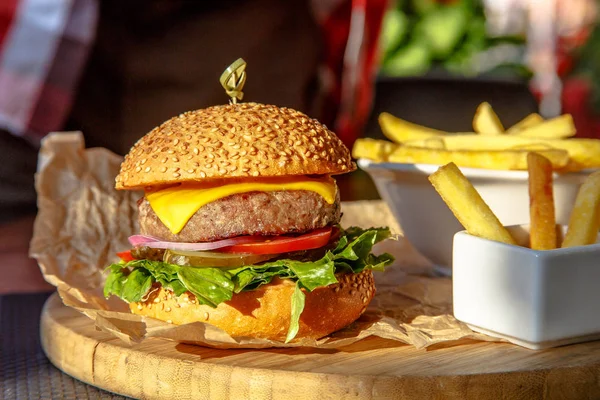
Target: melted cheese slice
column 175, row 206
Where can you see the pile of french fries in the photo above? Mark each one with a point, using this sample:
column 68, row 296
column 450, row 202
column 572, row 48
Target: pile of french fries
column 490, row 146
column 479, row 220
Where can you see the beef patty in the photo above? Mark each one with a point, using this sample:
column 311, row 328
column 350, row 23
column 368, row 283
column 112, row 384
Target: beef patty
column 252, row 213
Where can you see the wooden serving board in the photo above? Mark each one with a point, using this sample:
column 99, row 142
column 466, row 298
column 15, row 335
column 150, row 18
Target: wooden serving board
column 372, row 368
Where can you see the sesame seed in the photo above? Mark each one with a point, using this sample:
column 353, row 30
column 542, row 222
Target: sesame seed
column 163, row 169
column 139, row 307
column 147, row 169
column 206, row 316
column 168, row 309
column 157, row 300
column 176, row 174
column 169, row 321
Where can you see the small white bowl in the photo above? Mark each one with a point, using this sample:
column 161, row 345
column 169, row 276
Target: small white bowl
column 428, row 223
column 536, row 299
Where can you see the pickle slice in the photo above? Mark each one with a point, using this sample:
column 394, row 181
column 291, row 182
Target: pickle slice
column 213, row 258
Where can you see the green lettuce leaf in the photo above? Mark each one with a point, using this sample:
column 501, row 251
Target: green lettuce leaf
column 132, row 280
column 136, row 285
column 211, row 286
column 298, row 299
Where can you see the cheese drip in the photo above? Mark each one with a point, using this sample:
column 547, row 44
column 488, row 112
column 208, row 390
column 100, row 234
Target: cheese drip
column 175, row 206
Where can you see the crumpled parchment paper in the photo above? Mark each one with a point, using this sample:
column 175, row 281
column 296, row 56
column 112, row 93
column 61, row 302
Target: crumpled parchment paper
column 83, row 222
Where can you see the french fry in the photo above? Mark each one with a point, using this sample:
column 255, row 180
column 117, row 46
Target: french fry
column 585, row 216
column 377, row 150
column 560, row 127
column 583, row 153
column 429, row 143
column 486, row 122
column 527, row 122
column 440, row 143
column 488, row 159
column 467, row 205
column 533, row 147
column 399, row 130
column 542, row 234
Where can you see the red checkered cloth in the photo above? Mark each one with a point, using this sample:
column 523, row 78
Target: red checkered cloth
column 43, row 48
column 44, row 45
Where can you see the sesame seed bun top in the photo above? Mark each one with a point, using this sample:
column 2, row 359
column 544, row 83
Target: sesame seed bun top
column 233, row 141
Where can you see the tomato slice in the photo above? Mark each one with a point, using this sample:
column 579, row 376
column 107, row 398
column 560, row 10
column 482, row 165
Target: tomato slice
column 284, row 244
column 126, row 256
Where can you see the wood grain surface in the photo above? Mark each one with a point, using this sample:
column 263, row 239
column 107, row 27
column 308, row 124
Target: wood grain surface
column 372, row 368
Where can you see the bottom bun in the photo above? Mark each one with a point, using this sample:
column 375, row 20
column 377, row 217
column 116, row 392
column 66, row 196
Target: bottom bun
column 265, row 312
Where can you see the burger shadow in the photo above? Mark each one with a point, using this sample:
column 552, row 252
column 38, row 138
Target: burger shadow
column 208, row 353
column 367, row 344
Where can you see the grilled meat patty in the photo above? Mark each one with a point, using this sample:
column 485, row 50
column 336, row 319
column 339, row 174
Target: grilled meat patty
column 252, row 213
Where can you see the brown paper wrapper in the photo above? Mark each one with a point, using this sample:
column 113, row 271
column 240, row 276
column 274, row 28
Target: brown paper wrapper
column 83, row 222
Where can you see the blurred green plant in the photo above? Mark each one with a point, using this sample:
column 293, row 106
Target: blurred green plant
column 420, row 35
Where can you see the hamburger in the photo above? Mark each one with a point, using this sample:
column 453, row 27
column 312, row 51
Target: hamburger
column 239, row 226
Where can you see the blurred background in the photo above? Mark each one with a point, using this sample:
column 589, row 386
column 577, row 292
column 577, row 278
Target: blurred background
column 115, row 70
column 519, row 55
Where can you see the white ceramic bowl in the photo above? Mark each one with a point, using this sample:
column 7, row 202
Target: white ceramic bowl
column 428, row 223
column 536, row 299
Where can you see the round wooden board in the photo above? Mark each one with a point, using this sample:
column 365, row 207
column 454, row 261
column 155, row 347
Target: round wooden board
column 372, row 368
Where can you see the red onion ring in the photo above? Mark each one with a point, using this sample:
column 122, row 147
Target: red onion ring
column 156, row 243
